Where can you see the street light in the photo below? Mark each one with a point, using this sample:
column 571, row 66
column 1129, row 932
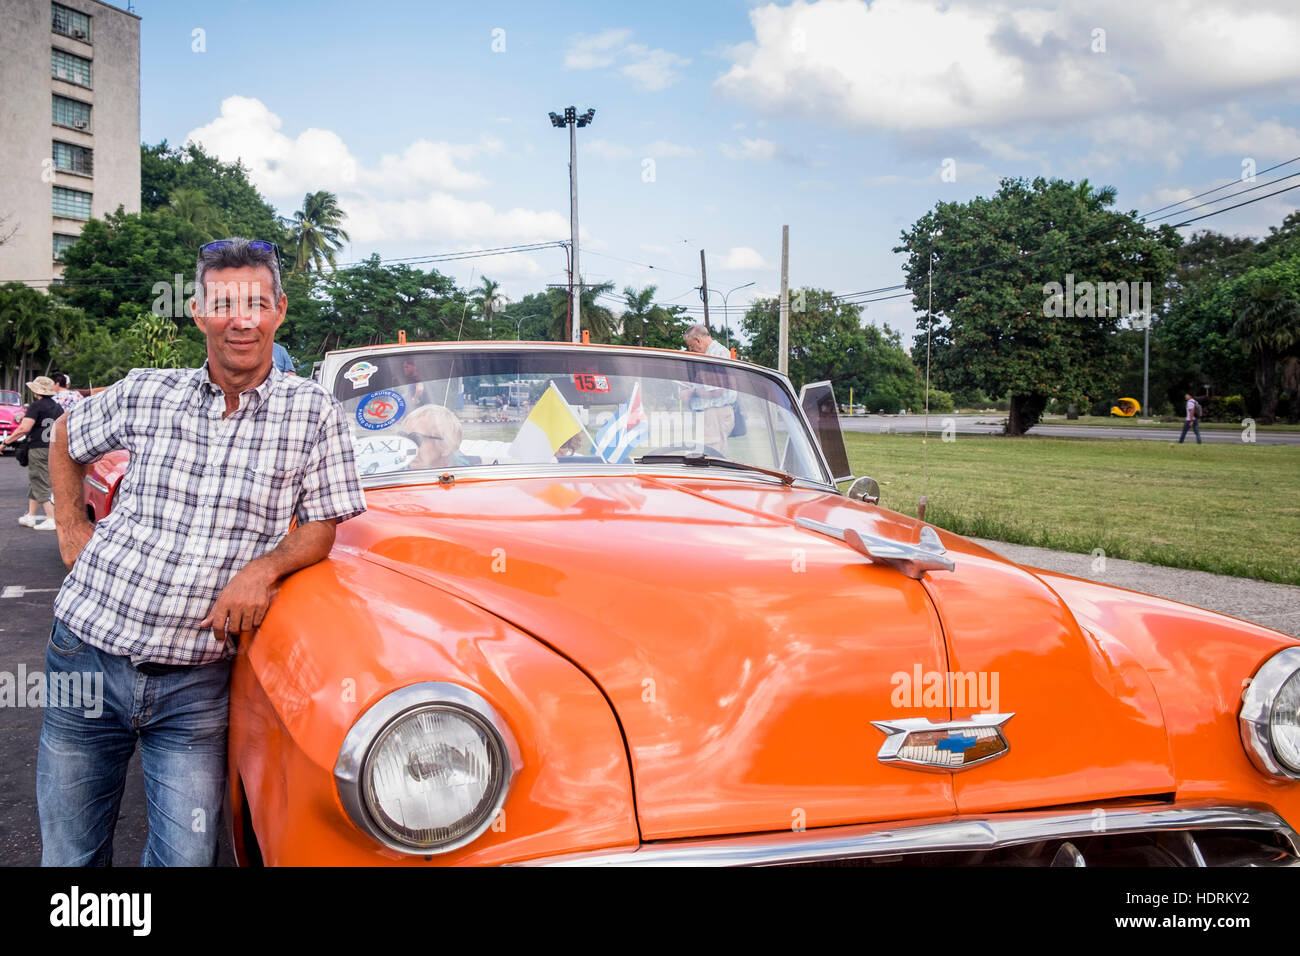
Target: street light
column 1142, row 320
column 574, row 120
column 725, row 322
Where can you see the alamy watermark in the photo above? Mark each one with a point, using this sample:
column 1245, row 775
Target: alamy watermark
column 82, row 690
column 1093, row 299
column 945, row 689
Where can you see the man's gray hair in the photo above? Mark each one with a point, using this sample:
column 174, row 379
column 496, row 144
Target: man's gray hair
column 236, row 253
column 698, row 331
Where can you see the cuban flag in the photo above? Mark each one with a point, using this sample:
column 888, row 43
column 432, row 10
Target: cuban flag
column 624, row 431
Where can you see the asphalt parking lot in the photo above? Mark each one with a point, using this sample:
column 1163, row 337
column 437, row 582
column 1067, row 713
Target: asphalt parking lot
column 30, row 575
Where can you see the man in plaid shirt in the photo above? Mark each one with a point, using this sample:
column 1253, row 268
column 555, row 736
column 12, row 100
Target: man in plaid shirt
column 222, row 459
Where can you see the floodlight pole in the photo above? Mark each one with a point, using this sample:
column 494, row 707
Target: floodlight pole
column 571, row 119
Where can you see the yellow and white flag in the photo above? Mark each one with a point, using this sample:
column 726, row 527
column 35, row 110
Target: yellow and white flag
column 548, row 426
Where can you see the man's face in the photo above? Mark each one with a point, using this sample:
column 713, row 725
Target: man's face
column 697, row 344
column 239, row 317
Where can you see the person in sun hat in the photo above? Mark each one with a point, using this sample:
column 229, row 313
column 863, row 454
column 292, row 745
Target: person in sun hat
column 38, row 421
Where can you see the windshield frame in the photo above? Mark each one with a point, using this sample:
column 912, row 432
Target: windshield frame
column 335, row 362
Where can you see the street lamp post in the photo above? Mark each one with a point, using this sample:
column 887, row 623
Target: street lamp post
column 1142, row 321
column 726, row 323
column 573, row 121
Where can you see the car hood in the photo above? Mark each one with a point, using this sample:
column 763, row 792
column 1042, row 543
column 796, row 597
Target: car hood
column 746, row 658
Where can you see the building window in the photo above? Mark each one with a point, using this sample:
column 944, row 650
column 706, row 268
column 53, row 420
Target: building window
column 61, row 242
column 71, row 203
column 74, row 159
column 72, row 113
column 65, row 66
column 70, row 23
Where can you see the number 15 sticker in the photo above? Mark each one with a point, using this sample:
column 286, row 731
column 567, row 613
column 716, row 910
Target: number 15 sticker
column 591, row 383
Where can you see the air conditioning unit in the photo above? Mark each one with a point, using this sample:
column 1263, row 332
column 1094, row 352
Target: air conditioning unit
column 79, row 34
column 81, row 124
column 61, row 73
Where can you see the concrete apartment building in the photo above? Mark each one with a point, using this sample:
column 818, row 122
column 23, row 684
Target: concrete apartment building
column 69, row 126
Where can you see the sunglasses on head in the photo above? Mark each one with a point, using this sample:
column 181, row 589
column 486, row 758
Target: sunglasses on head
column 420, row 438
column 259, row 245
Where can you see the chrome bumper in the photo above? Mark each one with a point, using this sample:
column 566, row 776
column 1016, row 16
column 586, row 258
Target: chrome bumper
column 1188, row 835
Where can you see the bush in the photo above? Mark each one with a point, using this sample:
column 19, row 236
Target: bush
column 1226, row 408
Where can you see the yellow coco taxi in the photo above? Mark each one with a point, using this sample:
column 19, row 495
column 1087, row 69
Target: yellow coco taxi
column 628, row 617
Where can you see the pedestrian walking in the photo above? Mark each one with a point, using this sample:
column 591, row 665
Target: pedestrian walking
column 1191, row 419
column 37, row 424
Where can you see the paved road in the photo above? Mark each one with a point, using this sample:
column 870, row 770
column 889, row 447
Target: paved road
column 30, row 575
column 991, row 424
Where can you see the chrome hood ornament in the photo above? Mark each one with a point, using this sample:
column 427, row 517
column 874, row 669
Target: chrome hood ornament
column 912, row 559
column 917, row 743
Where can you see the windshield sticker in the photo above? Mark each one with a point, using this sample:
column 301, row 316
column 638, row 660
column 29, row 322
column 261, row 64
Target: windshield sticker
column 359, row 374
column 591, row 383
column 380, row 409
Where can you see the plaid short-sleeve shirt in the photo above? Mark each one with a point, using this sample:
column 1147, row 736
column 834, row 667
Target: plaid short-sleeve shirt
column 202, row 496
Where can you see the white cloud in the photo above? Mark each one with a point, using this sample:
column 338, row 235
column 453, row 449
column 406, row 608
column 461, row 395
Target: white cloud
column 652, row 70
column 742, row 258
column 662, row 149
column 906, row 66
column 760, row 149
column 649, row 69
column 587, row 52
column 605, row 149
column 404, row 196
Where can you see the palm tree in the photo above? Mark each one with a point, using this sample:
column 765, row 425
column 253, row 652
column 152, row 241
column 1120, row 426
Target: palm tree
column 1267, row 303
column 596, row 319
column 192, row 207
column 638, row 314
column 316, row 231
column 489, row 302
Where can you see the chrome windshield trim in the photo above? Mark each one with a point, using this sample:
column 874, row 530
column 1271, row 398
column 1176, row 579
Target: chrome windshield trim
column 975, row 833
column 333, row 364
column 97, row 485
column 585, row 472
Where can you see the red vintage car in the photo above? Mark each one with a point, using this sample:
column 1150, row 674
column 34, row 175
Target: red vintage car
column 11, row 413
column 645, row 625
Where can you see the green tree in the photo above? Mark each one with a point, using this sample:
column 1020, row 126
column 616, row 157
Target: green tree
column 1265, row 302
column 316, row 232
column 165, row 169
column 191, row 207
column 32, row 327
column 596, row 319
column 828, row 341
column 649, row 324
column 997, row 325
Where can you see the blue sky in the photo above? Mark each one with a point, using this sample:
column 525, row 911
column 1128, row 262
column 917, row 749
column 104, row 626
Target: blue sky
column 717, row 123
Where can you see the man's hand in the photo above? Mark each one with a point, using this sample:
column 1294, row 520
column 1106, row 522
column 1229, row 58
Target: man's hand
column 74, row 535
column 242, row 603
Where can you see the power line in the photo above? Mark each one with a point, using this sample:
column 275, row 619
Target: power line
column 1231, row 182
column 1271, row 182
column 1188, row 222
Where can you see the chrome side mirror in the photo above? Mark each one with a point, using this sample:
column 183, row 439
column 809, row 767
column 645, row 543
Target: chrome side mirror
column 865, row 489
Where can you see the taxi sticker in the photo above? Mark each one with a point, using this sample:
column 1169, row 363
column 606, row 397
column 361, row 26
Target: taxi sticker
column 359, row 374
column 380, row 409
column 591, row 383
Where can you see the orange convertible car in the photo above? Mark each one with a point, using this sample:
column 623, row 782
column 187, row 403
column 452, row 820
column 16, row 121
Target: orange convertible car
column 634, row 620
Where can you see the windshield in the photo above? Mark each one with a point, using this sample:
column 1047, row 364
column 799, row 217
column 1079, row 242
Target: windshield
column 411, row 411
column 10, row 398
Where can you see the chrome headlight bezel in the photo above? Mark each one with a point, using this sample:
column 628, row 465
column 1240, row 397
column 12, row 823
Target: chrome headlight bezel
column 373, row 726
column 1256, row 716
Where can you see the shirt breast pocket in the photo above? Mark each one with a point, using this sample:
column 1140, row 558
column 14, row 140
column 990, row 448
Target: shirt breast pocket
column 270, row 495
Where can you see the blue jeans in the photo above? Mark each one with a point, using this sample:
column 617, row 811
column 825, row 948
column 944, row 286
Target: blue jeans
column 87, row 740
column 1194, row 426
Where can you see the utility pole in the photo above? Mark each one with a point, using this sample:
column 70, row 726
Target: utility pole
column 704, row 291
column 783, row 338
column 572, row 120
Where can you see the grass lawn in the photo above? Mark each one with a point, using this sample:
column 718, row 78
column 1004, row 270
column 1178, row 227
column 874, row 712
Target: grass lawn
column 1231, row 509
column 1175, row 425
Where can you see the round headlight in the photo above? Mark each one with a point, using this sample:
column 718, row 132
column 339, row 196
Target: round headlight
column 1270, row 716
column 1284, row 722
column 425, row 769
column 433, row 776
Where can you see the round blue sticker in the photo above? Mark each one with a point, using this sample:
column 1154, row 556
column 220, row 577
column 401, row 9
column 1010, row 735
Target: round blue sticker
column 380, row 409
